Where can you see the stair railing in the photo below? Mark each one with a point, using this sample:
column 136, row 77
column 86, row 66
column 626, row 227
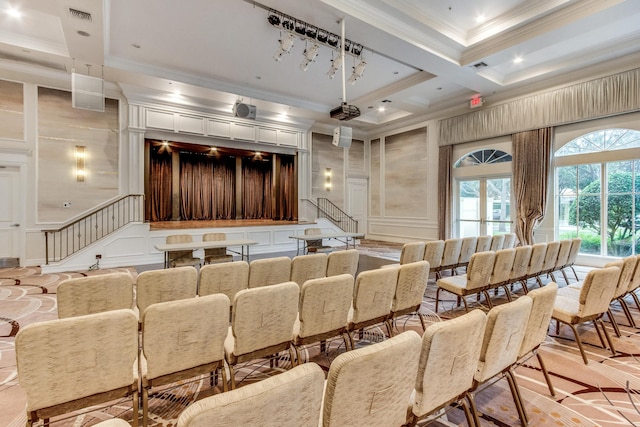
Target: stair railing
column 327, row 209
column 92, row 227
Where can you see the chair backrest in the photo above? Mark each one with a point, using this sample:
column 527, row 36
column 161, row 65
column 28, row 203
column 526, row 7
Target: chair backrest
column 497, row 242
column 634, row 283
column 313, row 243
column 448, row 360
column 451, row 252
column 538, row 252
column 373, row 294
column 264, row 316
column 479, row 269
column 354, row 397
column 484, row 243
column 343, row 262
column 509, row 241
column 211, row 254
column 269, row 271
column 94, row 294
column 467, row 249
column 306, row 267
column 575, row 249
column 85, row 356
column 563, row 254
column 227, row 278
column 184, row 334
column 506, row 325
column 290, row 399
column 502, row 266
column 412, row 282
column 551, row 255
column 542, row 302
column 520, row 262
column 433, row 251
column 412, row 252
column 154, row 286
column 325, row 304
column 597, row 291
column 627, row 270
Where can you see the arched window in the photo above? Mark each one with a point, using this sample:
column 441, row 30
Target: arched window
column 483, row 157
column 598, row 196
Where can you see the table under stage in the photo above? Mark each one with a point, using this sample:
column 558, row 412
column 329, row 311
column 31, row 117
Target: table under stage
column 242, row 243
column 345, row 238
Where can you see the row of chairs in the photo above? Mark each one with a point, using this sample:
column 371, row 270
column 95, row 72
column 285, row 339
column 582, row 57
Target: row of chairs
column 396, row 382
column 93, row 294
column 266, row 321
column 491, row 270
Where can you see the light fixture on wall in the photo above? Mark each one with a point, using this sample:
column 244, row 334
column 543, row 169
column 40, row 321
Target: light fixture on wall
column 327, row 179
column 80, row 163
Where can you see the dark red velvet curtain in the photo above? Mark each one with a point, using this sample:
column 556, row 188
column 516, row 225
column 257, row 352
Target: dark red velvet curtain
column 207, row 187
column 286, row 190
column 256, row 189
column 159, row 201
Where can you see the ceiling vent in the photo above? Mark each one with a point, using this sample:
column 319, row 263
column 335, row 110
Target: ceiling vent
column 480, row 65
column 79, row 14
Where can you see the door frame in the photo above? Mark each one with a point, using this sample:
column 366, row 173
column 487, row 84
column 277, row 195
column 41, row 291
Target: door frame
column 358, row 182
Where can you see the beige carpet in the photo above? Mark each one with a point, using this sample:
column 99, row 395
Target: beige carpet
column 603, row 393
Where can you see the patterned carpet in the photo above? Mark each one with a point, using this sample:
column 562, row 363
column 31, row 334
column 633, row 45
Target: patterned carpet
column 603, row 393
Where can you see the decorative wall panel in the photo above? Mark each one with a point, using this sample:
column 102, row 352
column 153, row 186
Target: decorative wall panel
column 11, row 110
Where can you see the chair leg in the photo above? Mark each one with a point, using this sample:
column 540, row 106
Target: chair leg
column 627, row 312
column 437, row 298
column 525, row 289
column 488, row 298
column 136, row 408
column 225, row 380
column 517, row 398
column 298, row 355
column 232, row 378
column 574, row 272
column 547, row 378
column 292, row 356
column 564, row 274
column 424, row 327
column 575, row 333
column 468, row 413
column 145, row 406
column 607, row 336
column 614, row 323
column 466, row 307
column 473, row 409
column 552, row 276
column 507, row 292
column 389, row 326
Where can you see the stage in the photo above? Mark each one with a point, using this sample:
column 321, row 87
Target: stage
column 221, row 223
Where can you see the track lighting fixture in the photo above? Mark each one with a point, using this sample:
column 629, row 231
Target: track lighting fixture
column 309, row 56
column 336, row 63
column 358, row 70
column 286, row 43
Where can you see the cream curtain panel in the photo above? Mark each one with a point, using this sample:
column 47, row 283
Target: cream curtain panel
column 531, row 168
column 615, row 94
column 444, row 192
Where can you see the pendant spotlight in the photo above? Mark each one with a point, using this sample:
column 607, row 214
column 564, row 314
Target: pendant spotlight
column 294, row 27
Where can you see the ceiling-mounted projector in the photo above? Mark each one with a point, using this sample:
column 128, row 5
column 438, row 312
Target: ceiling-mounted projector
column 345, row 112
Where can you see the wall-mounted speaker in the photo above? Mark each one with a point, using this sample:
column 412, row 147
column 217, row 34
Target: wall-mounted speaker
column 244, row 111
column 342, row 136
column 87, row 92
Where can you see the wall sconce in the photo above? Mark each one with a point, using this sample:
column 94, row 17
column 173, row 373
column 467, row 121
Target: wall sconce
column 80, row 163
column 327, row 179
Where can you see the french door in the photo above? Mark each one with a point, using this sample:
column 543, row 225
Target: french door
column 484, row 206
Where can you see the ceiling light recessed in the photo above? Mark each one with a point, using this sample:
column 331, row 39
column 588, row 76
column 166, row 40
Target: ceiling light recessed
column 381, row 109
column 14, row 13
column 83, row 33
column 517, row 60
column 480, row 19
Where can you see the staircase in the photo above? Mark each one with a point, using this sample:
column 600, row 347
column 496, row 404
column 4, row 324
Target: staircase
column 327, row 209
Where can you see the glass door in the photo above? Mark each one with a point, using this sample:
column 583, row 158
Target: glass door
column 484, row 206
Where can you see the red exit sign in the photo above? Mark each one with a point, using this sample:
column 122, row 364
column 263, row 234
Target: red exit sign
column 476, row 102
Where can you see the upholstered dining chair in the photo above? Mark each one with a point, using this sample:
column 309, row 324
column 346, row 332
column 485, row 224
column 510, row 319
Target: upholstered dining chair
column 354, row 397
column 510, row 240
column 372, row 299
column 503, row 335
column 634, row 284
column 502, row 267
column 433, row 251
column 467, row 249
column 542, row 303
column 561, row 260
column 94, row 294
column 475, row 280
column 88, row 360
column 182, row 258
column 538, row 252
column 269, row 271
column 307, row 267
column 261, row 324
column 448, row 362
column 576, row 243
column 484, row 243
column 412, row 252
column 450, row 254
column 497, row 242
column 171, row 284
column 410, row 288
column 341, row 262
column 182, row 339
column 520, row 265
column 590, row 304
column 215, row 255
column 550, row 257
column 227, row 278
column 323, row 312
column 314, row 246
column 290, row 399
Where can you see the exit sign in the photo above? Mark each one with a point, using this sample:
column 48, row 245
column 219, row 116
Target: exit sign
column 476, row 102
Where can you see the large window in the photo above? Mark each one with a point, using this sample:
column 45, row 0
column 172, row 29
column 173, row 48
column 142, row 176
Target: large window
column 599, row 201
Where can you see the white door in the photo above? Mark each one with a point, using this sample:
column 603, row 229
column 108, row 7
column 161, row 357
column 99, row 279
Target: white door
column 356, row 205
column 9, row 212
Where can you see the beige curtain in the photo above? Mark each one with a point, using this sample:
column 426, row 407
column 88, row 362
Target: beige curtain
column 444, row 192
column 531, row 168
